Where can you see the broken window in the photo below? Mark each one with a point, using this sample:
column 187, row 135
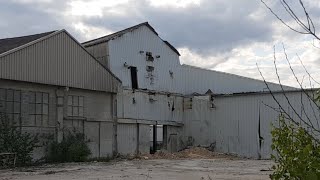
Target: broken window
column 75, row 106
column 149, row 56
column 10, row 104
column 39, row 108
column 134, row 77
column 212, row 105
column 187, row 103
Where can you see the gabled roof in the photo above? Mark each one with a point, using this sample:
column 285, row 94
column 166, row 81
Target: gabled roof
column 60, row 60
column 11, row 43
column 119, row 33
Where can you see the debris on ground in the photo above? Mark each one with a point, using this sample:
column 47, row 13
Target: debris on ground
column 190, row 153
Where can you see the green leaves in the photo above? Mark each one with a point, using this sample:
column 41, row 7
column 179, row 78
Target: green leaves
column 73, row 148
column 12, row 140
column 297, row 154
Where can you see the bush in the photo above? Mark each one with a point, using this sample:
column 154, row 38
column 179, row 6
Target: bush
column 12, row 140
column 298, row 154
column 72, row 148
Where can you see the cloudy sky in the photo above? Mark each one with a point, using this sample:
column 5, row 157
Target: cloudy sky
column 230, row 36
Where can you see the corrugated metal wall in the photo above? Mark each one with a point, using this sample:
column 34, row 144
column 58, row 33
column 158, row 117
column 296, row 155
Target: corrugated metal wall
column 200, row 80
column 101, row 53
column 234, row 124
column 57, row 60
column 126, row 49
column 127, row 138
column 185, row 79
column 143, row 106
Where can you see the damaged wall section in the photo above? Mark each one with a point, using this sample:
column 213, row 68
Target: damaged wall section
column 240, row 124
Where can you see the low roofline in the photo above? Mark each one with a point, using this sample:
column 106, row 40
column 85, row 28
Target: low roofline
column 264, row 92
column 53, row 34
column 235, row 75
column 102, row 40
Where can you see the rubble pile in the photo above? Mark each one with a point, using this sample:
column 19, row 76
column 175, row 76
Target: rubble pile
column 190, row 153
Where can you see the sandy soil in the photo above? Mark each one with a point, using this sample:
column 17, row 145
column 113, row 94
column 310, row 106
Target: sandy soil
column 155, row 169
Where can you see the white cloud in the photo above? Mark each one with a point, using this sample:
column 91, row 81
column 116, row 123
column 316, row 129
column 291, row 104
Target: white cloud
column 94, row 7
column 88, row 32
column 175, row 3
column 230, row 36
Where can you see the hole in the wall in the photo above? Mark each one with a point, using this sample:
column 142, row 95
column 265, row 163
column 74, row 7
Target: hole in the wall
column 156, row 138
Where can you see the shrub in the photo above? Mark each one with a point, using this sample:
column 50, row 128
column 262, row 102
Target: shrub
column 298, row 154
column 72, row 148
column 12, row 140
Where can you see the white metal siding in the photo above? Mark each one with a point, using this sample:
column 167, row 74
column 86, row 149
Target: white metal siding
column 233, row 124
column 199, row 80
column 143, row 109
column 126, row 49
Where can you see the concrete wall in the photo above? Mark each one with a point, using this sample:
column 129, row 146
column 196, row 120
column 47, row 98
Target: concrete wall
column 144, row 138
column 127, row 136
column 174, row 139
column 97, row 121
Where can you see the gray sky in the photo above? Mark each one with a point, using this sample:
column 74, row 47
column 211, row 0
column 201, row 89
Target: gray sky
column 230, row 36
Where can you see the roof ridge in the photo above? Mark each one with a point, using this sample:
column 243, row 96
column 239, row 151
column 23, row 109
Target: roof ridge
column 48, row 32
column 226, row 73
column 144, row 23
column 20, row 45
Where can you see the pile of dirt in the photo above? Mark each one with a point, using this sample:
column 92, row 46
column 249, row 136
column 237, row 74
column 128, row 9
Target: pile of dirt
column 190, row 153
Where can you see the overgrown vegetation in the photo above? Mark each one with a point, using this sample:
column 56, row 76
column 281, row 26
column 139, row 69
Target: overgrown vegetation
column 72, row 148
column 298, row 155
column 296, row 139
column 12, row 140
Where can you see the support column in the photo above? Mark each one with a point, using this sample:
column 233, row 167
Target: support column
column 115, row 124
column 60, row 113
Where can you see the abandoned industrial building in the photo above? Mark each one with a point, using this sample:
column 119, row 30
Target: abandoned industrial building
column 122, row 89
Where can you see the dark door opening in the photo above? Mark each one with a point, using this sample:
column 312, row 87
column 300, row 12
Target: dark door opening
column 134, row 77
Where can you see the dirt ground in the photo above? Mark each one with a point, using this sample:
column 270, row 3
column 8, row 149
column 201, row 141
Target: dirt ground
column 151, row 169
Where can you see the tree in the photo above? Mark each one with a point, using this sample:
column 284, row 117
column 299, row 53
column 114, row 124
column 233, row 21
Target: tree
column 296, row 138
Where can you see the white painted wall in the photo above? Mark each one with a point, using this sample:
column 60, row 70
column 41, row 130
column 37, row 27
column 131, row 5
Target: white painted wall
column 161, row 109
column 233, row 125
column 126, row 49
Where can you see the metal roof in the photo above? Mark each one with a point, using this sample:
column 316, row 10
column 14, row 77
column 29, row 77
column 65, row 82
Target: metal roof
column 11, row 43
column 55, row 58
column 119, row 33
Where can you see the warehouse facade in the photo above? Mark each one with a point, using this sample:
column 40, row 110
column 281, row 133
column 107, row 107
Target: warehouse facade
column 49, row 83
column 128, row 90
column 158, row 91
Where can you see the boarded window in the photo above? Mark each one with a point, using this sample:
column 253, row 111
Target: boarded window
column 39, row 108
column 75, row 106
column 10, row 105
column 134, row 77
column 187, row 102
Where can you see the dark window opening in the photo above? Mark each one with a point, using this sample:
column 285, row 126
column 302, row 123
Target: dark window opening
column 134, row 77
column 39, row 108
column 75, row 106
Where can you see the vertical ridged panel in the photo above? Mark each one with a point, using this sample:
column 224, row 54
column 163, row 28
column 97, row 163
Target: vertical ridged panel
column 234, row 123
column 127, row 138
column 57, row 60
